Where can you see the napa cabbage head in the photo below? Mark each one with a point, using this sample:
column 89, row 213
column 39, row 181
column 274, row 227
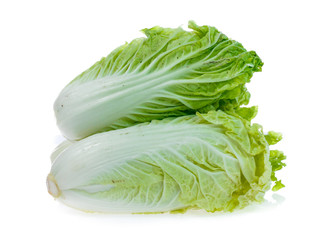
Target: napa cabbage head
column 171, row 72
column 213, row 161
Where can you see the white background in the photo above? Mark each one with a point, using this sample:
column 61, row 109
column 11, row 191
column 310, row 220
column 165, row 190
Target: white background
column 45, row 44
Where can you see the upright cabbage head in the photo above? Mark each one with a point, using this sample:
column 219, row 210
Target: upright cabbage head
column 172, row 72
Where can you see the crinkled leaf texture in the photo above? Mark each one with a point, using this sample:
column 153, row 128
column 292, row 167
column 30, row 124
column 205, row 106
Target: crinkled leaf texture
column 172, row 72
column 214, row 161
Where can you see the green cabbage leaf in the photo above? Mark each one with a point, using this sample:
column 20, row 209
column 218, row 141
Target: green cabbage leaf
column 216, row 161
column 170, row 73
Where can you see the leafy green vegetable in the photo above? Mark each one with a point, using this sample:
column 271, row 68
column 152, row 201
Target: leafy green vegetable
column 213, row 161
column 161, row 127
column 172, row 72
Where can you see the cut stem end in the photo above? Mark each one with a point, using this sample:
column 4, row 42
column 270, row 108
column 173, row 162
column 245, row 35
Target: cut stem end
column 52, row 186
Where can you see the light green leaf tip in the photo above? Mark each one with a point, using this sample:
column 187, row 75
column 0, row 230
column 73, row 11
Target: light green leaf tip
column 278, row 185
column 276, row 158
column 273, row 137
